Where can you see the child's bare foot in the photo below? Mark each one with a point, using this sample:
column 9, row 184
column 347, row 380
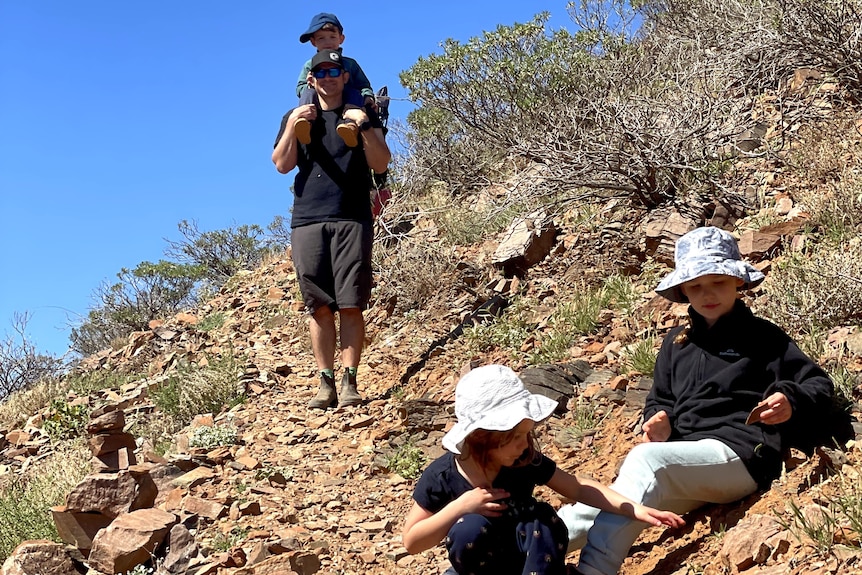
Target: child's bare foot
column 302, row 129
column 349, row 132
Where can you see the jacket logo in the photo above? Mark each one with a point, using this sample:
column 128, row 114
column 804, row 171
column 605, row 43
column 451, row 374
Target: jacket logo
column 729, row 353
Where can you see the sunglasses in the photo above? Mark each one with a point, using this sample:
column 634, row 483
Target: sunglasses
column 324, row 72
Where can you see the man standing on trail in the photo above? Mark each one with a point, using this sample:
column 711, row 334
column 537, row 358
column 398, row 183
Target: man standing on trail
column 331, row 224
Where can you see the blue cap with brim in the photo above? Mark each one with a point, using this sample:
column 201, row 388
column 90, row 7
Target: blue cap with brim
column 318, row 22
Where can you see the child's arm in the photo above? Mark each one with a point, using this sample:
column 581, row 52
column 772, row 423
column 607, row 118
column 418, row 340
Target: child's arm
column 358, row 79
column 423, row 529
column 302, row 81
column 597, row 495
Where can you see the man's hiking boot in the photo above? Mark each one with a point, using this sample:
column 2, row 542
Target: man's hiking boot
column 348, row 393
column 302, row 129
column 349, row 132
column 326, row 396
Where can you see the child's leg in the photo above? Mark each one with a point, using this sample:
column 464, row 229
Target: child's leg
column 483, row 547
column 352, row 97
column 302, row 127
column 309, row 96
column 677, row 476
column 347, row 129
column 543, row 538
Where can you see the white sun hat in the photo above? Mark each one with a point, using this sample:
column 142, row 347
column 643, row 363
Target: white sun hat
column 493, row 397
column 705, row 251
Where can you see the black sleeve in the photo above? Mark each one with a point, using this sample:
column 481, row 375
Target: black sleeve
column 282, row 127
column 660, row 396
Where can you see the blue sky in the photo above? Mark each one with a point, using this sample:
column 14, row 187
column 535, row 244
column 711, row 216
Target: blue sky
column 120, row 119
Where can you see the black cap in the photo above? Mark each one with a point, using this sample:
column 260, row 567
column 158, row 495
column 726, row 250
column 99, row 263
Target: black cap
column 323, row 56
column 318, row 22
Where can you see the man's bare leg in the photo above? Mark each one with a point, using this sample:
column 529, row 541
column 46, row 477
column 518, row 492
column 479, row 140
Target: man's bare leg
column 352, row 334
column 322, row 328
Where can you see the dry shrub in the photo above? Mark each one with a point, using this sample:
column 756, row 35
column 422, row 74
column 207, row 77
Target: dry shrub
column 817, row 290
column 829, row 166
column 18, row 406
column 411, row 273
column 25, row 499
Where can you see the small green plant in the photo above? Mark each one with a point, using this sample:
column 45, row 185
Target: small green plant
column 407, row 461
column 509, row 330
column 817, row 527
column 581, row 315
column 845, row 382
column 621, row 294
column 226, row 542
column 65, row 420
column 211, row 322
column 586, row 417
column 640, row 357
column 209, row 437
column 269, row 472
column 719, row 532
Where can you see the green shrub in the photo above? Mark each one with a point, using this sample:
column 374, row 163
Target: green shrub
column 640, row 356
column 407, row 461
column 65, row 421
column 621, row 294
column 211, row 322
column 508, row 330
column 581, row 314
column 226, row 541
column 209, row 437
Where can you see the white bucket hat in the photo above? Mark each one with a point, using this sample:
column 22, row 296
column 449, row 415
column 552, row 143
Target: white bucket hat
column 706, row 251
column 492, row 397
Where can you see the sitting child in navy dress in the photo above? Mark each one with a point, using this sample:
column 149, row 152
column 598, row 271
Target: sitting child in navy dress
column 479, row 497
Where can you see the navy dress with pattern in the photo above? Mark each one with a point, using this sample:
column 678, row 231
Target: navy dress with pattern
column 529, row 538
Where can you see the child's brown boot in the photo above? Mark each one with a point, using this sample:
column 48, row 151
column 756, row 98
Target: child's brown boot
column 302, row 129
column 349, row 132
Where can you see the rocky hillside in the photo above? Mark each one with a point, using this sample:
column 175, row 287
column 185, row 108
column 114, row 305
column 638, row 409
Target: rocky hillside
column 306, row 491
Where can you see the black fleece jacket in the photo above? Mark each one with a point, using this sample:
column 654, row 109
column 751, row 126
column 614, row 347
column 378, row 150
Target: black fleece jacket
column 710, row 383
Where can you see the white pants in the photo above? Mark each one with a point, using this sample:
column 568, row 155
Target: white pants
column 676, row 476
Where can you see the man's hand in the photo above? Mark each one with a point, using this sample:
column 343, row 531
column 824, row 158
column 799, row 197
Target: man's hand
column 306, row 111
column 357, row 115
column 657, row 428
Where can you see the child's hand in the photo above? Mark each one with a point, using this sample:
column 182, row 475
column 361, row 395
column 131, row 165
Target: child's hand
column 307, row 111
column 657, row 517
column 657, row 428
column 483, row 501
column 778, row 409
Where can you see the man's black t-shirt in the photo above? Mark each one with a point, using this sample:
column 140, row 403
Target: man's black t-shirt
column 334, row 181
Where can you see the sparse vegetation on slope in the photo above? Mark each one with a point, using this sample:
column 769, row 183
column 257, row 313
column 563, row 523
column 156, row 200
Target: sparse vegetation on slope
column 699, row 114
